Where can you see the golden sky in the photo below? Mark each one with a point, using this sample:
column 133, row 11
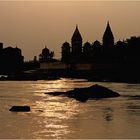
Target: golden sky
column 31, row 25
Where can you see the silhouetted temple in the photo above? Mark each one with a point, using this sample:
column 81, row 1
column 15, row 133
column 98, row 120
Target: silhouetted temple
column 77, row 52
column 106, row 60
column 76, row 42
column 108, row 38
column 11, row 60
column 46, row 55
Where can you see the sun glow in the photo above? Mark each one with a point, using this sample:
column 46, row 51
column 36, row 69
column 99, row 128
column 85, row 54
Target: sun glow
column 55, row 111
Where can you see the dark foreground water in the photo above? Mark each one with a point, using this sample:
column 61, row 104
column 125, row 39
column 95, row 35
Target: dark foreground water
column 62, row 117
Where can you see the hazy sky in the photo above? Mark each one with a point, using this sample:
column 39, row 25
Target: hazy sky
column 32, row 25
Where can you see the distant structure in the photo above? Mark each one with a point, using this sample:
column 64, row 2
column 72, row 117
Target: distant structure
column 11, row 60
column 76, row 42
column 108, row 38
column 66, row 52
column 1, row 46
column 77, row 52
column 48, row 63
column 104, row 60
column 46, row 55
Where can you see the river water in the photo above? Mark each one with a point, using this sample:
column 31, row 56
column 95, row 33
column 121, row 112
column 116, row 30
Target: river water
column 54, row 117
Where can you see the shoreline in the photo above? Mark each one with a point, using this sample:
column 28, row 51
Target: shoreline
column 90, row 79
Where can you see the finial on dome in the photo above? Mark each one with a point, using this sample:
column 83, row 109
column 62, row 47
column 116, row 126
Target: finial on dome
column 76, row 26
column 108, row 22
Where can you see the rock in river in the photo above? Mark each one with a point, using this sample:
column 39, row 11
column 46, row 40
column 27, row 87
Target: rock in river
column 83, row 94
column 20, row 108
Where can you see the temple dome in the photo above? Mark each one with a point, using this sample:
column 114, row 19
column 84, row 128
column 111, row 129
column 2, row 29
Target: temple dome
column 76, row 34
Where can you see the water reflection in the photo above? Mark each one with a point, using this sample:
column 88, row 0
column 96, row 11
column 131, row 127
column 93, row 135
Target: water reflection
column 108, row 114
column 133, row 108
column 55, row 111
column 63, row 117
column 52, row 129
column 53, row 117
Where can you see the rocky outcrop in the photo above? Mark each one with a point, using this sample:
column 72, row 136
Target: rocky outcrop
column 20, row 108
column 83, row 94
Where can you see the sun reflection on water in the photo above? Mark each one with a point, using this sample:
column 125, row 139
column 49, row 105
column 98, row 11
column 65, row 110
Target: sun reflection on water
column 57, row 117
column 57, row 109
column 54, row 111
column 59, row 85
column 54, row 114
column 62, row 117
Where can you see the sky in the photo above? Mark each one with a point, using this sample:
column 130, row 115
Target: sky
column 30, row 25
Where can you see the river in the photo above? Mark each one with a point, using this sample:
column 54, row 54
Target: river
column 56, row 117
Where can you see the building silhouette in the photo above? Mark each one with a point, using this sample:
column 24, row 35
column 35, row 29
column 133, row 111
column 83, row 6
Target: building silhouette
column 103, row 60
column 108, row 38
column 77, row 52
column 46, row 55
column 66, row 52
column 11, row 60
column 76, row 42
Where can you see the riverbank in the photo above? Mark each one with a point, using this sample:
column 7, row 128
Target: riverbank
column 92, row 77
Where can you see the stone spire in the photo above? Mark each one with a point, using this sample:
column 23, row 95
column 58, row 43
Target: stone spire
column 76, row 42
column 76, row 35
column 108, row 38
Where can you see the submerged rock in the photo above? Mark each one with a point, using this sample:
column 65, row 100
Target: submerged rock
column 83, row 94
column 20, row 108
